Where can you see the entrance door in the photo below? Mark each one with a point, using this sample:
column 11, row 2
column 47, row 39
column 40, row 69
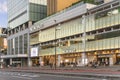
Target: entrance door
column 104, row 61
column 35, row 61
column 118, row 60
column 71, row 61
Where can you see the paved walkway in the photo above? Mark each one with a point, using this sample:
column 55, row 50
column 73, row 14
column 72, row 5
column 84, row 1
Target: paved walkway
column 107, row 72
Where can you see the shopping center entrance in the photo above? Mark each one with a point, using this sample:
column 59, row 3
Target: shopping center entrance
column 103, row 61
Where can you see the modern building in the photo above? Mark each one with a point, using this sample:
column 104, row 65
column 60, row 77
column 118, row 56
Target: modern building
column 55, row 6
column 3, row 45
column 43, row 33
column 3, row 41
column 79, row 35
column 21, row 12
column 21, row 15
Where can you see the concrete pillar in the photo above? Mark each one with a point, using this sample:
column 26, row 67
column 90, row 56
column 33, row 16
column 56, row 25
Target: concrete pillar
column 59, row 59
column 79, row 62
column 28, row 49
column 23, row 26
column 114, row 58
column 68, row 43
column 84, row 59
column 1, row 64
column 29, row 62
column 11, row 61
column 29, row 23
column 111, row 61
column 41, row 62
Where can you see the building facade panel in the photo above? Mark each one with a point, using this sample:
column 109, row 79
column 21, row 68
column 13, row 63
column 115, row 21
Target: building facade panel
column 62, row 16
column 17, row 49
column 37, row 9
column 16, row 9
column 110, row 18
column 21, row 12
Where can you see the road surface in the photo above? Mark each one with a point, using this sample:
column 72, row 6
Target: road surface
column 37, row 76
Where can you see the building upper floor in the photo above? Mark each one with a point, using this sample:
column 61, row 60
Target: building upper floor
column 62, row 16
column 3, row 40
column 22, row 11
column 96, row 20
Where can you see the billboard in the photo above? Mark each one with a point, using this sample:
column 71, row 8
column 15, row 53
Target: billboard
column 34, row 52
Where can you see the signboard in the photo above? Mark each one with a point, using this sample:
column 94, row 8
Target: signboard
column 34, row 52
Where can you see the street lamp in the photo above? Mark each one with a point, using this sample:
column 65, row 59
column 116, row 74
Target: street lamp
column 56, row 41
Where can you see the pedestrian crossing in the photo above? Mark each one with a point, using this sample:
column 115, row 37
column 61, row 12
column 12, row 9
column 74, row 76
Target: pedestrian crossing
column 20, row 74
column 35, row 76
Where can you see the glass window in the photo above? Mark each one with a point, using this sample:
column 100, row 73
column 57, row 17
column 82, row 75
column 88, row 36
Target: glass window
column 16, row 45
column 21, row 44
column 25, row 43
column 119, row 41
column 116, row 42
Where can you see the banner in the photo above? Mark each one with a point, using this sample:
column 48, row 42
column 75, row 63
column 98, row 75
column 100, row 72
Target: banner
column 34, row 52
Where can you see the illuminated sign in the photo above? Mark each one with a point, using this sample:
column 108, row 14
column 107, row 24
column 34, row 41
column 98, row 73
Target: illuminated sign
column 34, row 52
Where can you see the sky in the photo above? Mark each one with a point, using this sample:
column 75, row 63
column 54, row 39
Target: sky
column 3, row 13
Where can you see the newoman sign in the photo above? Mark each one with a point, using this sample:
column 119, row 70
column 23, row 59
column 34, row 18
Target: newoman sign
column 34, row 52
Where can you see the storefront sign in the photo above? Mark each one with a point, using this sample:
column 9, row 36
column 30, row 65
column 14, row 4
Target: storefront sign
column 104, row 55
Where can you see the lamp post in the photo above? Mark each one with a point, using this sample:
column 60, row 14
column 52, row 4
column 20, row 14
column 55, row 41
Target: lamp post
column 55, row 46
column 56, row 42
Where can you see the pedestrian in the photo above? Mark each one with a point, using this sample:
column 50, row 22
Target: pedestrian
column 51, row 65
column 94, row 64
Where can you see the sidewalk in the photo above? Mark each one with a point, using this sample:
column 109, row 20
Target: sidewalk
column 112, row 73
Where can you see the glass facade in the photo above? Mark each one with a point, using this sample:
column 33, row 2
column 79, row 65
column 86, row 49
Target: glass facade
column 102, row 41
column 18, row 45
column 21, row 46
column 25, row 43
column 107, row 18
column 37, row 12
column 37, row 9
column 74, row 27
column 17, row 12
column 34, row 38
column 18, row 50
column 21, row 15
column 21, row 11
